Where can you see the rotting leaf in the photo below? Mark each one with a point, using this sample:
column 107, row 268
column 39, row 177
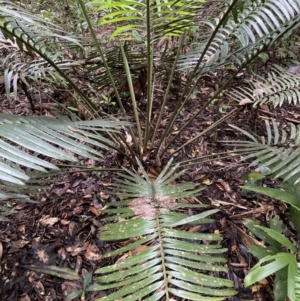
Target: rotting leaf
column 53, row 270
column 19, row 244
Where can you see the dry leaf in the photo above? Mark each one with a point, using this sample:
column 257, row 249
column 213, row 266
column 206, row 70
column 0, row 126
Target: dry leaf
column 18, row 244
column 222, row 185
column 48, row 221
column 25, row 298
column 207, row 182
column 128, row 138
column 92, row 253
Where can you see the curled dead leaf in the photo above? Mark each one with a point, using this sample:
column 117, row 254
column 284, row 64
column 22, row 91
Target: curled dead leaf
column 48, row 221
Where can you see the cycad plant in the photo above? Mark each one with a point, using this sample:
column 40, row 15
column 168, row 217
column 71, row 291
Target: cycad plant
column 165, row 39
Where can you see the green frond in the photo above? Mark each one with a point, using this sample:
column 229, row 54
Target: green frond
column 30, row 72
column 278, row 154
column 297, row 282
column 257, row 26
column 279, row 87
column 167, row 19
column 162, row 258
column 58, row 138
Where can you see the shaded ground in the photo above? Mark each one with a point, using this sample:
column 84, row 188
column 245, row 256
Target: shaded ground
column 61, row 228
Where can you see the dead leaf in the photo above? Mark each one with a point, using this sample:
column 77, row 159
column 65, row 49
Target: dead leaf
column 143, row 207
column 75, row 250
column 39, row 288
column 104, row 196
column 199, row 177
column 78, row 264
column 42, row 255
column 48, row 221
column 19, row 244
column 207, row 182
column 92, row 253
column 94, row 210
column 222, row 185
column 166, row 203
column 139, row 249
column 195, row 229
column 22, row 229
column 128, row 138
column 25, row 298
column 72, row 228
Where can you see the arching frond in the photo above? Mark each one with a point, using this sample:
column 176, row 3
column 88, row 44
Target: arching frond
column 279, row 87
column 278, row 154
column 58, row 138
column 259, row 23
column 167, row 18
column 39, row 47
column 161, row 257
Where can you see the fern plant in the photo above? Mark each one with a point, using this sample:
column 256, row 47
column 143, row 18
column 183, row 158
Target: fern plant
column 162, row 256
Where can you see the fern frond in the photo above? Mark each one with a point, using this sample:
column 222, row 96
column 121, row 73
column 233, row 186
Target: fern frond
column 161, row 259
column 278, row 154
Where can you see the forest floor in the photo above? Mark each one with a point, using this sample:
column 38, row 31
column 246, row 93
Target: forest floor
column 61, row 228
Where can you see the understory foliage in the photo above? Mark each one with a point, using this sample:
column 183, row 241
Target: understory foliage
column 151, row 41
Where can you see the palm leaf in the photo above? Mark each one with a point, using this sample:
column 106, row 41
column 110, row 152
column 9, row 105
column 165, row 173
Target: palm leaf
column 297, row 282
column 167, row 18
column 39, row 39
column 258, row 23
column 278, row 154
column 279, row 87
column 161, row 259
column 47, row 137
